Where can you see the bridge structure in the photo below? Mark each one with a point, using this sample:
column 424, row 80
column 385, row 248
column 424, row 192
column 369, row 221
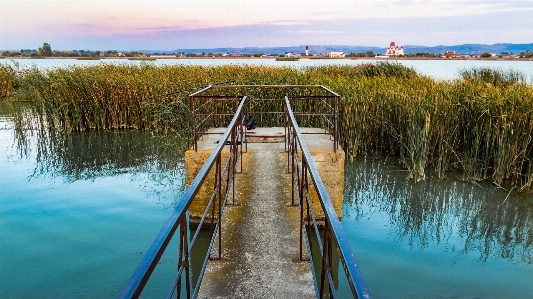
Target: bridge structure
column 256, row 219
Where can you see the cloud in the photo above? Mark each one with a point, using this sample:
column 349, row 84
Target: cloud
column 171, row 24
column 319, row 31
column 289, row 23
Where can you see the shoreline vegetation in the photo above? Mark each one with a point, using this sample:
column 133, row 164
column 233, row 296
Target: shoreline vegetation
column 142, row 58
column 88, row 58
column 287, row 58
column 480, row 124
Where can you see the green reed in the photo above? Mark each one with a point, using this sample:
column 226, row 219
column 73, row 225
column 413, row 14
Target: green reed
column 8, row 79
column 480, row 123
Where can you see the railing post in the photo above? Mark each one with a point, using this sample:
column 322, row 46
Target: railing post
column 302, row 220
column 308, row 201
column 242, row 138
column 292, row 153
column 234, row 161
column 180, row 257
column 187, row 255
column 183, row 260
column 336, row 129
column 219, row 206
column 326, row 251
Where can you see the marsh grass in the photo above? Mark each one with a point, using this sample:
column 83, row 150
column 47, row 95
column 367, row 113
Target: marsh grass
column 8, row 79
column 493, row 77
column 287, row 58
column 480, row 123
column 142, row 58
column 88, row 58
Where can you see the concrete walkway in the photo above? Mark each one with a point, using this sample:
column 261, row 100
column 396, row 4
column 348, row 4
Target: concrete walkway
column 260, row 237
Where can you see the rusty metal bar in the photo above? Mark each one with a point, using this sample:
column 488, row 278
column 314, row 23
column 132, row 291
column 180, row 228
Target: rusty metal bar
column 324, row 96
column 200, row 107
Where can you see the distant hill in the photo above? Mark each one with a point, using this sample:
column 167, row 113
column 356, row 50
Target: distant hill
column 313, row 49
column 317, row 49
column 471, row 48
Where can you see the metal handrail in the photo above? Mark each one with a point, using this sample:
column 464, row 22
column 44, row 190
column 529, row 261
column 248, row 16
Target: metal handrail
column 226, row 172
column 327, row 104
column 332, row 228
column 178, row 218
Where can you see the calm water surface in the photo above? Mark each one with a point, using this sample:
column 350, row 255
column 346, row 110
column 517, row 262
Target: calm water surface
column 78, row 212
column 436, row 239
column 439, row 69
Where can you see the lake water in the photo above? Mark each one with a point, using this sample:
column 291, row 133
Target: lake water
column 439, row 69
column 439, row 238
column 78, row 212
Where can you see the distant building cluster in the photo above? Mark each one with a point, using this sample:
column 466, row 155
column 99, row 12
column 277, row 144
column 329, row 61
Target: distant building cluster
column 306, row 54
column 394, row 50
column 450, row 54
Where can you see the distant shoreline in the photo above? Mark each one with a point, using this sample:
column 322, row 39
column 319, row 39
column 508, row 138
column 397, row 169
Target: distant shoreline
column 301, row 58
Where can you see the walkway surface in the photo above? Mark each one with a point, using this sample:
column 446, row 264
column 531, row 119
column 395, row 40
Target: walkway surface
column 260, row 237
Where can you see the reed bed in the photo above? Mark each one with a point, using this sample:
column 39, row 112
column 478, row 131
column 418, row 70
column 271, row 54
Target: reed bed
column 8, row 79
column 480, row 123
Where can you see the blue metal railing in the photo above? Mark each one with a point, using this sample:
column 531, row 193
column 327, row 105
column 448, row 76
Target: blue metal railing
column 224, row 178
column 333, row 232
column 303, row 169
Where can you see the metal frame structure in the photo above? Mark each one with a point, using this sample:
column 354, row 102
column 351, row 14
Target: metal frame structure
column 209, row 107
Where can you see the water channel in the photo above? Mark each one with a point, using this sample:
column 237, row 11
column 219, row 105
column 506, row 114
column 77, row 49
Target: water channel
column 78, row 212
column 438, row 69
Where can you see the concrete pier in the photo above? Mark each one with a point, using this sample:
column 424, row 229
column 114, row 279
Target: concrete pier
column 260, row 235
column 260, row 238
column 330, row 164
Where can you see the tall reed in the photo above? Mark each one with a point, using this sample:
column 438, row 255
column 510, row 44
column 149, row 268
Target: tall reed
column 8, row 79
column 480, row 123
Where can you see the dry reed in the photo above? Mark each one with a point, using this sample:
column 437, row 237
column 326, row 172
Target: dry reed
column 480, row 123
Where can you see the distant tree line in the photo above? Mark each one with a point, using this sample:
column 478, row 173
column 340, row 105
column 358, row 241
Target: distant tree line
column 362, row 54
column 46, row 51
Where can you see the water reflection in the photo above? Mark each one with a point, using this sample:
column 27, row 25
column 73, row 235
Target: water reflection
column 464, row 217
column 95, row 154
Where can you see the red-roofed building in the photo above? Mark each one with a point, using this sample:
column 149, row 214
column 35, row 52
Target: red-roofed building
column 450, row 54
column 394, row 50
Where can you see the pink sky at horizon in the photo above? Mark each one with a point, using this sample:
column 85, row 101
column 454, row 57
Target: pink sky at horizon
column 165, row 24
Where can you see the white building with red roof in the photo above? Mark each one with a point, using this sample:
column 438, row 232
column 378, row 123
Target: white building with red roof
column 394, row 50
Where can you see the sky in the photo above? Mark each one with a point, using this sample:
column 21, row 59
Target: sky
column 174, row 24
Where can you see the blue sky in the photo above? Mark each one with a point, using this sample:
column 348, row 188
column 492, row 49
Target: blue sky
column 172, row 24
